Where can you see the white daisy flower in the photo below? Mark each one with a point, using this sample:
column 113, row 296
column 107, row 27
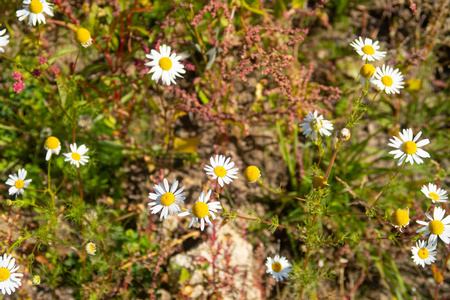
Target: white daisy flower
column 367, row 72
column 91, row 248
column 77, row 157
column 279, row 267
column 83, row 36
column 367, row 49
column 52, row 145
column 407, row 148
column 201, row 210
column 36, row 279
column 424, row 254
column 388, row 80
column 4, row 40
column 221, row 169
column 9, row 280
column 435, row 194
column 18, row 182
column 164, row 65
column 438, row 227
column 166, row 199
column 34, row 10
column 314, row 123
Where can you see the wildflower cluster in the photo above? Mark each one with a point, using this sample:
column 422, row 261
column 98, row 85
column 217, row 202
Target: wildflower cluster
column 385, row 78
column 169, row 197
column 408, row 149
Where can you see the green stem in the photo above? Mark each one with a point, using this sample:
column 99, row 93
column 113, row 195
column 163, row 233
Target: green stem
column 19, row 241
column 386, row 186
column 52, row 195
column 76, row 60
column 279, row 193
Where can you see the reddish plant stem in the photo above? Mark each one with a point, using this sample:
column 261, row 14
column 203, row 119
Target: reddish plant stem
column 333, row 158
column 68, row 15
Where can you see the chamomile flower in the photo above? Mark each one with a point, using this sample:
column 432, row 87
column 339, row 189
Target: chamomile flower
column 408, row 148
column 77, row 157
column 367, row 72
column 83, row 36
column 435, row 194
column 52, row 145
column 424, row 254
column 221, row 169
column 4, row 40
column 9, row 279
column 91, row 248
column 18, row 182
column 438, row 227
column 315, row 124
column 279, row 267
column 34, row 9
column 166, row 198
column 400, row 218
column 388, row 80
column 201, row 210
column 164, row 65
column 367, row 49
column 36, row 279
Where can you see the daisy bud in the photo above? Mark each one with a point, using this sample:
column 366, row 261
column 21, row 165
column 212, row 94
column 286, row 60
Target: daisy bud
column 344, row 134
column 252, row 174
column 83, row 36
column 400, row 218
column 319, row 182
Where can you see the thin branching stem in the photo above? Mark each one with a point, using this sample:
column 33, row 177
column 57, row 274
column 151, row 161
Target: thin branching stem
column 386, row 186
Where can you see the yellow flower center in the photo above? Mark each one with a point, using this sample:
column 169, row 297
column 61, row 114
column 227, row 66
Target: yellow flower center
column 200, row 209
column 167, row 199
column 251, row 174
column 276, row 267
column 316, row 124
column 319, row 182
column 36, row 7
column 423, row 253
column 409, row 147
column 76, row 156
column 36, row 279
column 4, row 274
column 19, row 184
column 220, row 171
column 434, row 196
column 91, row 248
column 367, row 71
column 368, row 50
column 83, row 36
column 165, row 63
column 387, row 80
column 52, row 143
column 436, row 227
column 400, row 217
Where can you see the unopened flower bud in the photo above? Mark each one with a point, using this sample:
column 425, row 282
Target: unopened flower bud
column 344, row 134
column 9, row 202
column 252, row 174
column 319, row 182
